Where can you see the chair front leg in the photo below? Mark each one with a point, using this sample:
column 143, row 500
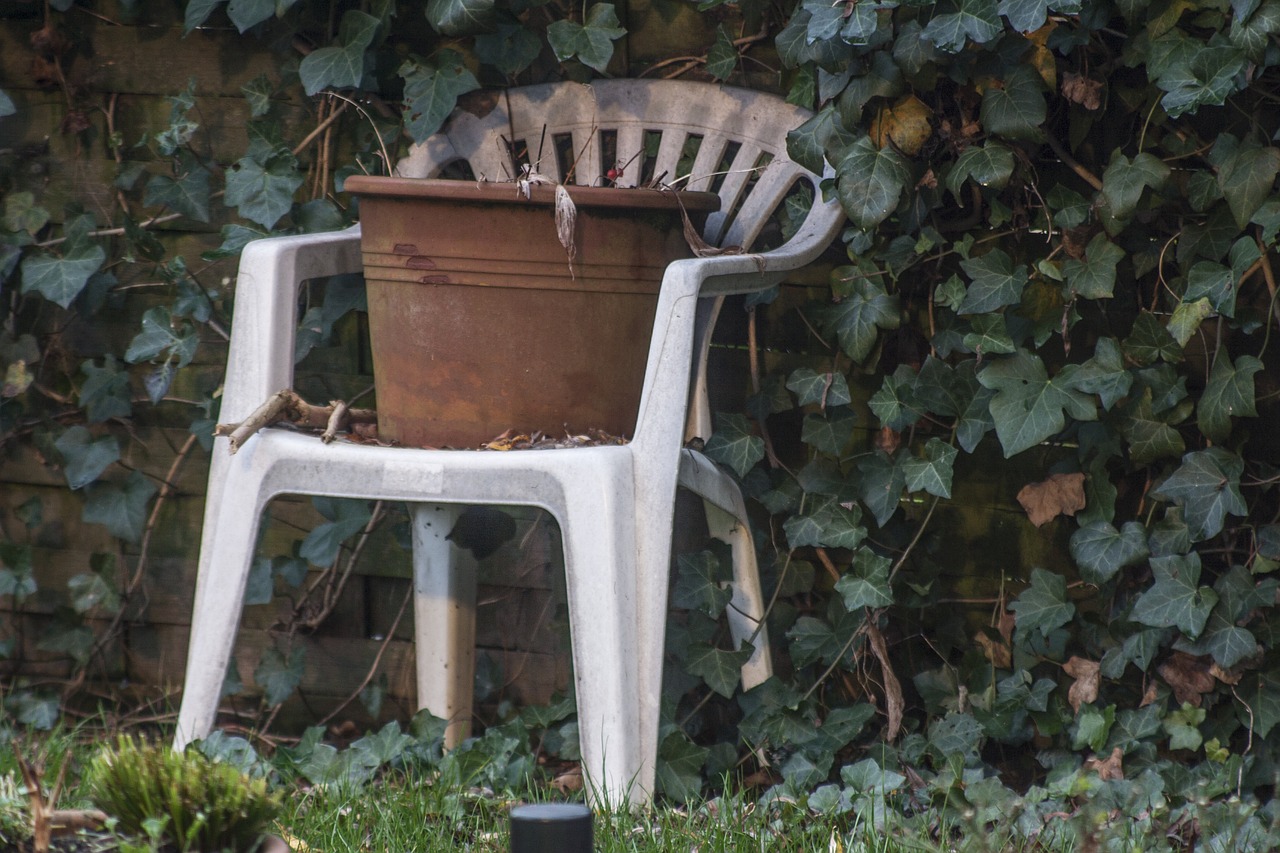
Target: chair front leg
column 226, row 556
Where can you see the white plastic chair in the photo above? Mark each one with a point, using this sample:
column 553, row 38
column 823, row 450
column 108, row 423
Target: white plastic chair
column 614, row 504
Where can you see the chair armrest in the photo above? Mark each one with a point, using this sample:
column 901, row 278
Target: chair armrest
column 751, row 272
column 264, row 326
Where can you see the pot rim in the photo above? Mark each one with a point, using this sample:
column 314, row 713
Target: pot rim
column 437, row 189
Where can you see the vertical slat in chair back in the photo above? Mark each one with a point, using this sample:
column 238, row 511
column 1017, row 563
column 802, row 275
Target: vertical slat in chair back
column 687, row 135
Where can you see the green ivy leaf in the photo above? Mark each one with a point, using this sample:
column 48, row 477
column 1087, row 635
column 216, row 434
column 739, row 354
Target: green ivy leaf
column 1182, row 726
column 122, row 510
column 828, row 524
column 1028, row 406
column 1214, row 282
column 1026, row 16
column 1200, row 75
column 345, row 517
column 701, row 584
column 431, row 90
column 964, row 19
column 1258, row 704
column 158, row 337
column 734, row 444
column 1207, row 488
column 461, row 17
column 1246, row 179
column 247, row 13
column 823, row 389
column 869, row 181
column 1149, row 437
column 1150, row 341
column 61, row 279
column 1104, row 374
column 989, row 165
column 880, row 484
column 1229, row 644
column 1092, row 727
column 277, row 676
column 866, row 584
column 1125, row 179
column 895, row 403
column 92, row 589
column 933, row 471
column 1095, row 276
column 187, row 194
column 1100, row 550
column 813, row 639
column 342, row 66
column 720, row 669
column 86, row 457
column 1176, row 600
column 105, row 393
column 511, row 48
column 262, row 189
column 1016, row 109
column 591, row 42
column 1187, row 318
column 990, row 335
column 678, row 774
column 1043, row 605
column 996, row 282
column 1229, row 393
column 830, row 431
column 863, row 308
column 722, row 58
column 955, row 734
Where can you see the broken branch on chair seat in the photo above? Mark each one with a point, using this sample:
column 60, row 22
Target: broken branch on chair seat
column 287, row 407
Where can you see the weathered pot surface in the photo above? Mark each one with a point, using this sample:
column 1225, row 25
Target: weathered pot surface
column 478, row 322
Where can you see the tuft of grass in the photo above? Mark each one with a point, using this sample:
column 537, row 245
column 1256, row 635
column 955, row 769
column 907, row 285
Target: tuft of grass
column 181, row 799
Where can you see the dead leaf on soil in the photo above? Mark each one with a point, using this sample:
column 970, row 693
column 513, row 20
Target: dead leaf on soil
column 1087, row 675
column 569, row 781
column 1061, row 494
column 1189, row 676
column 1107, row 768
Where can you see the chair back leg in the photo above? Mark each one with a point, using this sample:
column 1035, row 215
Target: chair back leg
column 747, row 607
column 444, row 617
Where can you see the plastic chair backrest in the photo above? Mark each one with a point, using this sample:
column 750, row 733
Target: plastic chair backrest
column 695, row 136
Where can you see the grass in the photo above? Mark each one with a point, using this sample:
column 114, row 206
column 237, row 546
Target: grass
column 409, row 812
column 409, row 806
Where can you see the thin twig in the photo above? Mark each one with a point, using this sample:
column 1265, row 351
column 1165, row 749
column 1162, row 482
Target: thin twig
column 377, row 660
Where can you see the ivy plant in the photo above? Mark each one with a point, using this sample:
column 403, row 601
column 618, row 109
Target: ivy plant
column 1015, row 485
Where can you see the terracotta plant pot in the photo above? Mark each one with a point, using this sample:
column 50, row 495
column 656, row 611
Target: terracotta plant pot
column 476, row 323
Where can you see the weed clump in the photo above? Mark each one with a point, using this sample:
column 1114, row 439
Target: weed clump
column 180, row 799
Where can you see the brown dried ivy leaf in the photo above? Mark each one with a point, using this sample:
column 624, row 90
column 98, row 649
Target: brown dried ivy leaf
column 907, row 125
column 1061, row 494
column 1082, row 90
column 1107, row 768
column 1087, row 675
column 996, row 652
column 1189, row 676
column 566, row 223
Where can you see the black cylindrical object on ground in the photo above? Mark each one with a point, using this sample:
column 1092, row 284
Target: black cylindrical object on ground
column 551, row 828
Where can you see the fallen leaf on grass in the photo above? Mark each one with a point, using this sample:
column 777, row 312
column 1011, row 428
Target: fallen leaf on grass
column 569, row 781
column 1061, row 494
